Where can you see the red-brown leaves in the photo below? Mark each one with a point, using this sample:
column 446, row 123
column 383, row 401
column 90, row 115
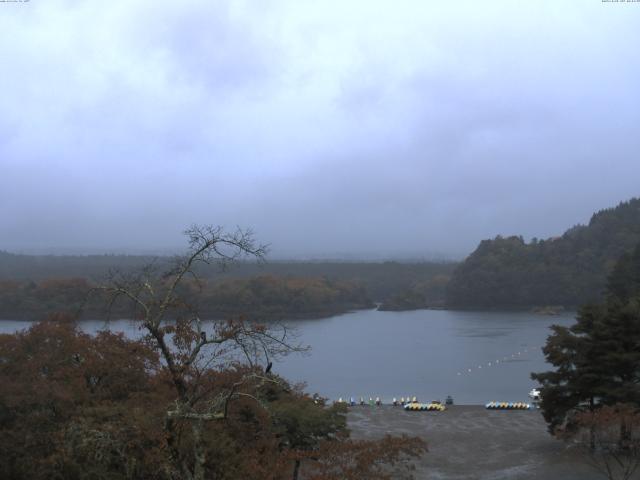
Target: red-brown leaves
column 608, row 438
column 65, row 396
column 76, row 405
column 382, row 459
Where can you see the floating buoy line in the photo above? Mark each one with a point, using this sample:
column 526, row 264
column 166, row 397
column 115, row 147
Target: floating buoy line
column 412, row 404
column 497, row 362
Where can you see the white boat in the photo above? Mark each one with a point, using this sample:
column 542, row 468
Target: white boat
column 534, row 394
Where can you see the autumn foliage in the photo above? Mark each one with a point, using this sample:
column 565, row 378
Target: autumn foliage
column 266, row 297
column 191, row 400
column 78, row 406
column 609, row 440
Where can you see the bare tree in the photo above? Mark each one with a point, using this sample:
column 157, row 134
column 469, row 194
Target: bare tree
column 190, row 348
column 609, row 440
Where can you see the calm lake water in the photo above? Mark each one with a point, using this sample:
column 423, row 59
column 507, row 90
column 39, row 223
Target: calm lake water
column 475, row 357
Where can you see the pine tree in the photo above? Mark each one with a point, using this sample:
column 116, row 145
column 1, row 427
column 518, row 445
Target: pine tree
column 596, row 360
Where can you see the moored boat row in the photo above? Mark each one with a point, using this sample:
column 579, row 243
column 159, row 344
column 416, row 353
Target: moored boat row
column 508, row 406
column 434, row 406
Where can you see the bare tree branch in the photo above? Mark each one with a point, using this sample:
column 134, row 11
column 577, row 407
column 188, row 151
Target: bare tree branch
column 163, row 311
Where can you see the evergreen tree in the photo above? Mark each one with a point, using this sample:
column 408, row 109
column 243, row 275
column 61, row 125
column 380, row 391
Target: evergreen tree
column 596, row 360
column 624, row 282
column 568, row 270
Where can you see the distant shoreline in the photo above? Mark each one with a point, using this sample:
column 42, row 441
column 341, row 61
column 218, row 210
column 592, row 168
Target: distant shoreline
column 329, row 314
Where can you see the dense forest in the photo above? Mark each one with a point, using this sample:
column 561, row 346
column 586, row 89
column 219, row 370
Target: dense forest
column 381, row 279
column 590, row 397
column 190, row 400
column 31, row 286
column 570, row 270
column 429, row 293
column 506, row 272
column 259, row 298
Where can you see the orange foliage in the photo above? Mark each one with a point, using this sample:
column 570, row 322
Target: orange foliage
column 77, row 406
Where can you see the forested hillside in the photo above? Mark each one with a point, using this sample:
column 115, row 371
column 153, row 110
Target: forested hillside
column 31, row 286
column 258, row 298
column 569, row 270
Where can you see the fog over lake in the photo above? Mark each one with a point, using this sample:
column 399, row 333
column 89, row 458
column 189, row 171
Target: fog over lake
column 426, row 353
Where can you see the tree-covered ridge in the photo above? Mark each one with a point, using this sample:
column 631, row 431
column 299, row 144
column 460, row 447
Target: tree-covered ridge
column 382, row 280
column 569, row 270
column 596, row 360
column 276, row 297
column 427, row 294
column 264, row 297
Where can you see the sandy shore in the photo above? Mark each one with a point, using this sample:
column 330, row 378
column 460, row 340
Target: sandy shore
column 470, row 442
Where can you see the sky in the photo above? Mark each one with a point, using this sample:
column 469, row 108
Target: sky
column 333, row 129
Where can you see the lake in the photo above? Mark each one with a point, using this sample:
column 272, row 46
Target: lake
column 475, row 357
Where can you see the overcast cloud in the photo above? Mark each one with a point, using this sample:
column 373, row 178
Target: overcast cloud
column 355, row 128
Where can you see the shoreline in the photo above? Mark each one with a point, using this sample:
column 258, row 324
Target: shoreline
column 470, row 442
column 321, row 315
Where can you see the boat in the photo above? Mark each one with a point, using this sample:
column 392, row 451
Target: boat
column 507, row 406
column 535, row 395
column 433, row 406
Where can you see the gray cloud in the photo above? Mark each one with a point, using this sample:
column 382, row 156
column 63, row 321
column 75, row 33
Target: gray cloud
column 359, row 128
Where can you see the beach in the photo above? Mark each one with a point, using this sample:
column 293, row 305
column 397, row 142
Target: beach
column 470, row 442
